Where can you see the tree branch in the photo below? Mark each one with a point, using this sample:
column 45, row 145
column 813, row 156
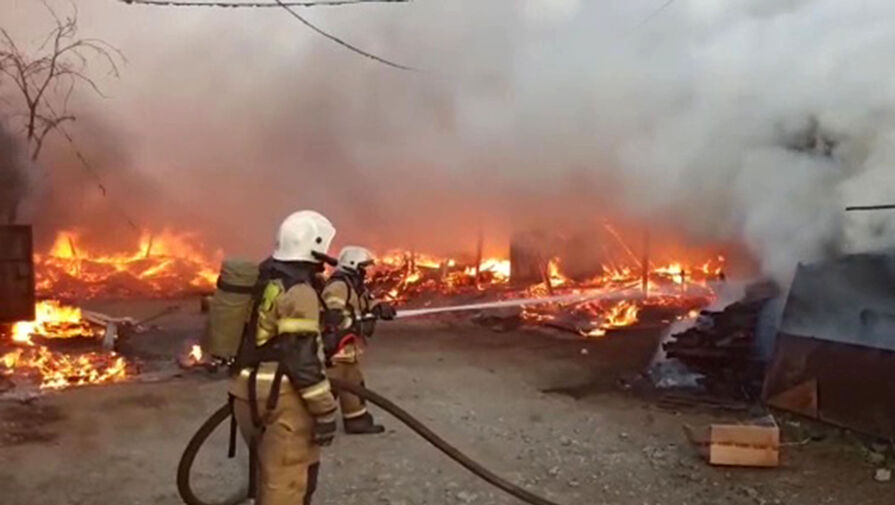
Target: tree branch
column 49, row 125
column 52, row 74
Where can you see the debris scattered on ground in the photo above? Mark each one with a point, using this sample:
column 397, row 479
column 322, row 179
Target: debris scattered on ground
column 500, row 319
column 681, row 399
column 882, row 475
column 876, row 458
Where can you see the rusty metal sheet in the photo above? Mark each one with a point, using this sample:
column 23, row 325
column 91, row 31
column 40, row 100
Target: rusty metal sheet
column 834, row 357
column 16, row 274
column 852, row 385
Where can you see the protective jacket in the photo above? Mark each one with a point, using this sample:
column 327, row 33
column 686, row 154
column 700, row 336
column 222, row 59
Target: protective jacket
column 286, row 340
column 347, row 295
column 350, row 322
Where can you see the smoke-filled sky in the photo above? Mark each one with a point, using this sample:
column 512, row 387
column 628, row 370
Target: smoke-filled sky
column 527, row 112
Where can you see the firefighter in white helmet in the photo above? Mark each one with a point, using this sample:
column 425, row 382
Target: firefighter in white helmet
column 346, row 292
column 282, row 398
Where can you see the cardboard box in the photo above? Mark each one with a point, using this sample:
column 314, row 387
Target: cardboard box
column 755, row 444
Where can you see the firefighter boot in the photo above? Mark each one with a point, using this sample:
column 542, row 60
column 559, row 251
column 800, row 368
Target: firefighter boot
column 362, row 425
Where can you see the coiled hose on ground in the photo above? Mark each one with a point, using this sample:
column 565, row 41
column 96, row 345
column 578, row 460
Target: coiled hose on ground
column 223, row 413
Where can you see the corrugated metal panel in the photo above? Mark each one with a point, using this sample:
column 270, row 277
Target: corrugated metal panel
column 849, row 300
column 16, row 274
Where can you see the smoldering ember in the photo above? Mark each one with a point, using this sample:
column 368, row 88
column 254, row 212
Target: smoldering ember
column 425, row 252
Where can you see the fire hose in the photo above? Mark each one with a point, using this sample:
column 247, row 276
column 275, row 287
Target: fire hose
column 184, row 485
column 185, row 489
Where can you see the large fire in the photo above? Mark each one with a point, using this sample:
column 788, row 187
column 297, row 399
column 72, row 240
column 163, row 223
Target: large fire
column 52, row 320
column 407, row 277
column 160, row 265
column 627, row 291
column 56, row 370
column 51, row 369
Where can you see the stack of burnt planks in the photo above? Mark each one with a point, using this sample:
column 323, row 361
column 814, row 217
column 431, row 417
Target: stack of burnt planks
column 722, row 345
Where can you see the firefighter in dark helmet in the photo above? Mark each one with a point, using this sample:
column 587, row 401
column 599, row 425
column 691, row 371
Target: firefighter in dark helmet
column 356, row 311
column 282, row 398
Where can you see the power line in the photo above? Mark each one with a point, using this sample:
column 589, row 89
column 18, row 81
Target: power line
column 342, row 42
column 308, row 3
column 88, row 167
column 656, row 12
column 288, row 6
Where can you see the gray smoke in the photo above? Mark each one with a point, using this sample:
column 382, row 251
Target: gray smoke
column 748, row 121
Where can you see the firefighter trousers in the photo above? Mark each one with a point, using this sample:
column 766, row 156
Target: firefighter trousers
column 288, row 459
column 351, row 406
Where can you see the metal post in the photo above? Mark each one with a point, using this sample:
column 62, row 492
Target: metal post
column 478, row 258
column 644, row 278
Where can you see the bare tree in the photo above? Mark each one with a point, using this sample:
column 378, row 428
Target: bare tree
column 45, row 80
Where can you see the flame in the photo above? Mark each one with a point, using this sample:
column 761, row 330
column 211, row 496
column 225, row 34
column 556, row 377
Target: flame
column 681, row 285
column 596, row 332
column 614, row 273
column 674, row 271
column 497, row 267
column 195, row 354
column 52, row 320
column 622, row 314
column 554, row 274
column 400, row 275
column 57, row 370
column 161, row 264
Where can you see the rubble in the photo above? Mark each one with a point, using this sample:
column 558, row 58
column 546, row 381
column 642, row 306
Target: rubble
column 163, row 264
column 656, row 296
column 721, row 346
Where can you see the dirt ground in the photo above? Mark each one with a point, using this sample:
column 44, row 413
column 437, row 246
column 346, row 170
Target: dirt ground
column 545, row 412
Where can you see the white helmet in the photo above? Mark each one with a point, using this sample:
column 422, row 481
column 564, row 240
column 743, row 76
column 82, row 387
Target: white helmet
column 353, row 257
column 304, row 236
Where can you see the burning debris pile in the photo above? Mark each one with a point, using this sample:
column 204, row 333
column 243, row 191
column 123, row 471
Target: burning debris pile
column 168, row 264
column 722, row 346
column 659, row 295
column 32, row 361
column 65, row 346
column 162, row 265
column 404, row 276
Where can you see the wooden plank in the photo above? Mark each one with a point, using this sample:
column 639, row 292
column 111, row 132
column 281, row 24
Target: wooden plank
column 745, row 435
column 744, row 445
column 737, row 444
column 729, row 455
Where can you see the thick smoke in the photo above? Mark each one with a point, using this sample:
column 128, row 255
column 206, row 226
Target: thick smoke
column 751, row 121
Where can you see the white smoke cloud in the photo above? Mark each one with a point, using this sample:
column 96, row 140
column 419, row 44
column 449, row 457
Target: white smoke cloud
column 750, row 121
column 550, row 11
column 740, row 84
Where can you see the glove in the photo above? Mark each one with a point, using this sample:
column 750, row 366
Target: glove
column 324, row 432
column 384, row 310
column 333, row 317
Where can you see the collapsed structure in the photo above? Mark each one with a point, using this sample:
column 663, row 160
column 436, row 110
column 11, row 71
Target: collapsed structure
column 832, row 358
